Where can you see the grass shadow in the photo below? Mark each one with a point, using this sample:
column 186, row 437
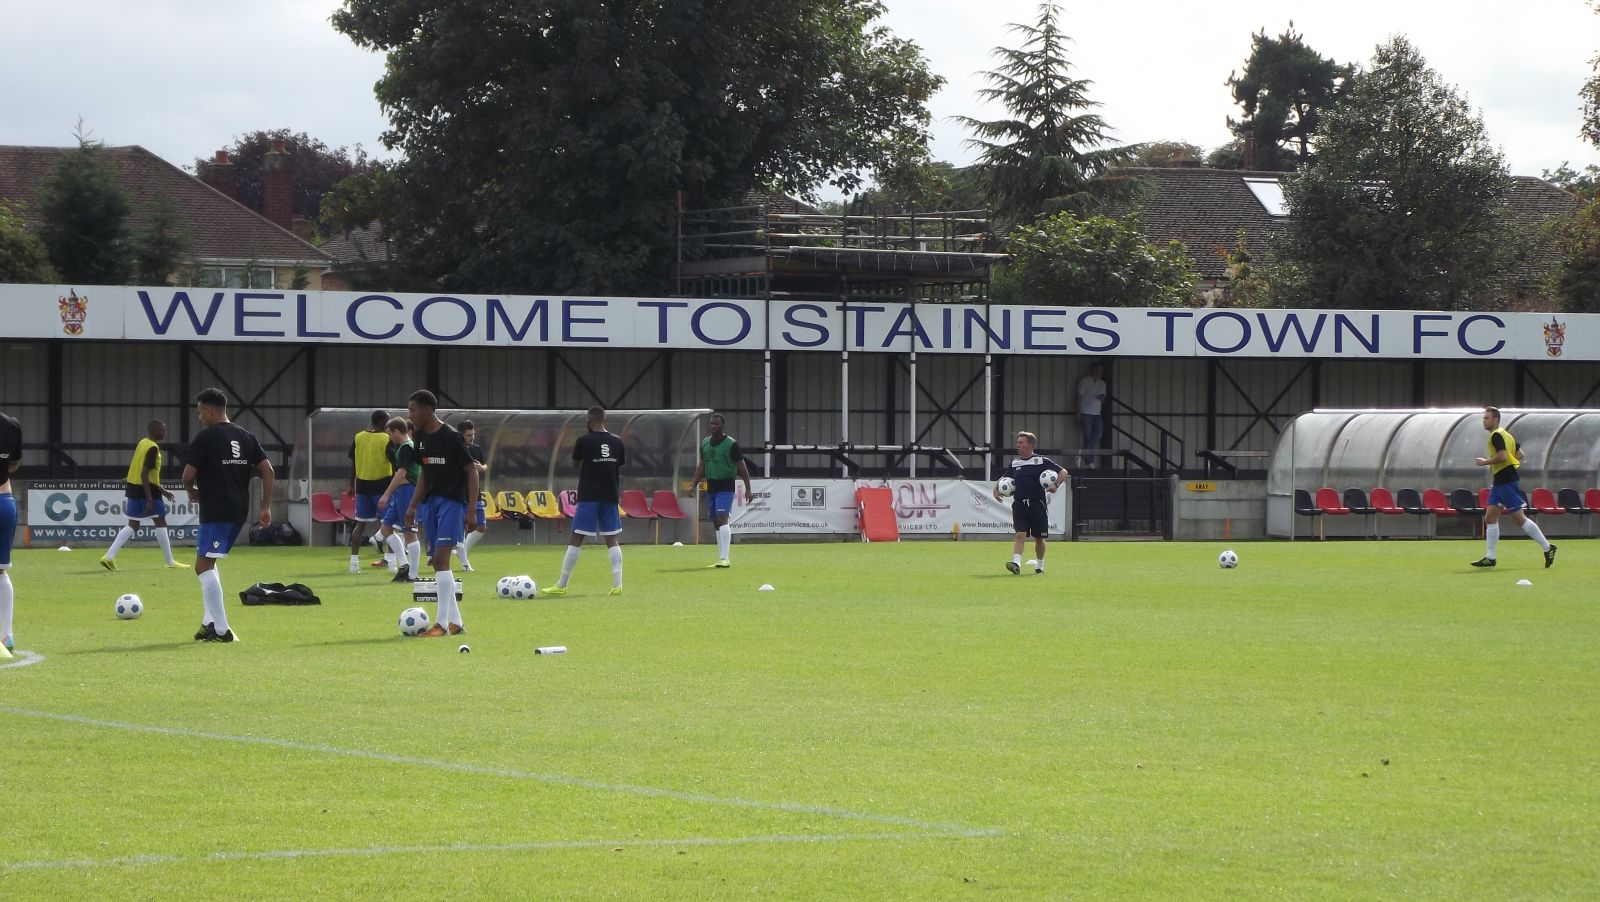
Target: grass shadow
column 115, row 649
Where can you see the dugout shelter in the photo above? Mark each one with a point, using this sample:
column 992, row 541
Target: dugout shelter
column 1426, row 451
column 527, row 451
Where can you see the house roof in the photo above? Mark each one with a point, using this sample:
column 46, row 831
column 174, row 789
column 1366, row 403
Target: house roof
column 1206, row 208
column 361, row 247
column 219, row 227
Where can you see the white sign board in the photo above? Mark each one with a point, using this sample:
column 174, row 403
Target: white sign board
column 923, row 507
column 93, row 512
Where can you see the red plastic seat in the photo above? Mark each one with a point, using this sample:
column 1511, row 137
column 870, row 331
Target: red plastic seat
column 665, row 504
column 1436, row 503
column 322, row 509
column 347, row 505
column 1483, row 498
column 1544, row 501
column 1328, row 502
column 634, row 505
column 1383, row 502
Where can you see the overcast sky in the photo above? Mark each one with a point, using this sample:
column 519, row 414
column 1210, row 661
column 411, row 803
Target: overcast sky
column 184, row 77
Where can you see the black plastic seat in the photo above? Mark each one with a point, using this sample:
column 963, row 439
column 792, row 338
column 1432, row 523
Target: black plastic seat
column 1356, row 501
column 1465, row 502
column 1305, row 507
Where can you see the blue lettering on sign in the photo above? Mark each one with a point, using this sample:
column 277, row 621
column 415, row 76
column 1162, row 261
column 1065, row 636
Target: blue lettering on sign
column 744, row 323
column 355, row 309
column 1208, row 319
column 180, row 298
column 422, row 328
column 1418, row 332
column 569, row 320
column 1112, row 338
column 663, row 306
column 855, row 338
column 1461, row 335
column 302, row 329
column 1290, row 321
column 999, row 341
column 908, row 315
column 818, row 327
column 240, row 313
column 1342, row 324
column 1030, row 330
column 497, row 316
column 1171, row 316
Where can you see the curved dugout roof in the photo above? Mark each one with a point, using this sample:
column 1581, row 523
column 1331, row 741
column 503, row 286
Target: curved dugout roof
column 1431, row 449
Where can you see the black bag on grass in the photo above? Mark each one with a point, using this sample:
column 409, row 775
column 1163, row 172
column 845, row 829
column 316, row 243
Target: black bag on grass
column 278, row 593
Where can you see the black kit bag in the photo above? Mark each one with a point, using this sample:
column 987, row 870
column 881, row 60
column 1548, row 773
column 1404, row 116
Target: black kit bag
column 278, row 593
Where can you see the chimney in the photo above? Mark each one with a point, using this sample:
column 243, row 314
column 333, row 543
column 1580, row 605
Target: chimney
column 1248, row 163
column 277, row 186
column 222, row 175
column 301, row 227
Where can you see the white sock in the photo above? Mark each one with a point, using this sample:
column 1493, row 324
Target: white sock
column 164, row 539
column 616, row 564
column 123, row 535
column 397, row 550
column 724, row 539
column 1016, row 558
column 1535, row 533
column 465, row 547
column 1491, row 540
column 5, row 603
column 211, row 597
column 1038, row 564
column 414, row 556
column 355, row 559
column 568, row 561
column 449, row 611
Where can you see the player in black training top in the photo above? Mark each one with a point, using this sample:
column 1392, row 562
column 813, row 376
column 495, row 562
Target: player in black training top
column 477, row 526
column 1029, row 514
column 10, row 459
column 599, row 456
column 449, row 477
column 222, row 460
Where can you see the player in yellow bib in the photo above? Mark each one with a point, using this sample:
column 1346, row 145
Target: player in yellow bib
column 1504, row 460
column 146, row 499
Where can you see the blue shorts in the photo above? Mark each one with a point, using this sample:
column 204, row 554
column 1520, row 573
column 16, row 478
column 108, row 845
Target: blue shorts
column 394, row 516
column 367, row 507
column 721, row 504
column 140, row 509
column 1508, row 496
column 442, row 520
column 597, row 518
column 216, row 539
column 8, row 528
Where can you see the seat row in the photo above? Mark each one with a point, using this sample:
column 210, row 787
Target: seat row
column 524, row 507
column 1435, row 503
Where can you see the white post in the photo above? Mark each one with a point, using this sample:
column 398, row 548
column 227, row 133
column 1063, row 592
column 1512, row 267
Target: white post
column 911, row 419
column 766, row 415
column 844, row 406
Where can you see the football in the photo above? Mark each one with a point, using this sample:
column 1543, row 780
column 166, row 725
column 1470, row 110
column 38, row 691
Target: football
column 1228, row 560
column 129, row 607
column 504, row 587
column 523, row 587
column 1007, row 486
column 413, row 621
column 1048, row 479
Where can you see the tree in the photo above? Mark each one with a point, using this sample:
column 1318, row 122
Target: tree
column 1066, row 260
column 925, row 186
column 84, row 210
column 157, row 250
column 1585, row 184
column 1285, row 89
column 1167, row 153
column 1590, row 94
column 1404, row 208
column 23, row 258
column 1576, row 280
column 1048, row 154
column 545, row 141
column 316, row 167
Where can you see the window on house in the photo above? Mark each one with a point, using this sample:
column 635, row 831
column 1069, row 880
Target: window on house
column 235, row 277
column 1270, row 193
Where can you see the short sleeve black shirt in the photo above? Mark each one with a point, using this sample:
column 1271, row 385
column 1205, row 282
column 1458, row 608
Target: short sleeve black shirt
column 600, row 458
column 10, row 445
column 225, row 458
column 476, row 453
column 1025, row 472
column 444, row 458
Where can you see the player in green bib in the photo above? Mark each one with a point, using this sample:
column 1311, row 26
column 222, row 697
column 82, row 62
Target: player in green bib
column 720, row 462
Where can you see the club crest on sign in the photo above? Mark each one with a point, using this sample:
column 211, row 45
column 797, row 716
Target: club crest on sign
column 74, row 312
column 1555, row 335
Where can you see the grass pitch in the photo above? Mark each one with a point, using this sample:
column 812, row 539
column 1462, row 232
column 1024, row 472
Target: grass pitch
column 1339, row 720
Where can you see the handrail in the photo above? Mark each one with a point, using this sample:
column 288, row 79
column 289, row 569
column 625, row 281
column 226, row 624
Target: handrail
column 1168, row 438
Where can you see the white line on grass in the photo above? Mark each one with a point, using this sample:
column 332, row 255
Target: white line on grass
column 23, row 659
column 459, row 848
column 512, row 773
